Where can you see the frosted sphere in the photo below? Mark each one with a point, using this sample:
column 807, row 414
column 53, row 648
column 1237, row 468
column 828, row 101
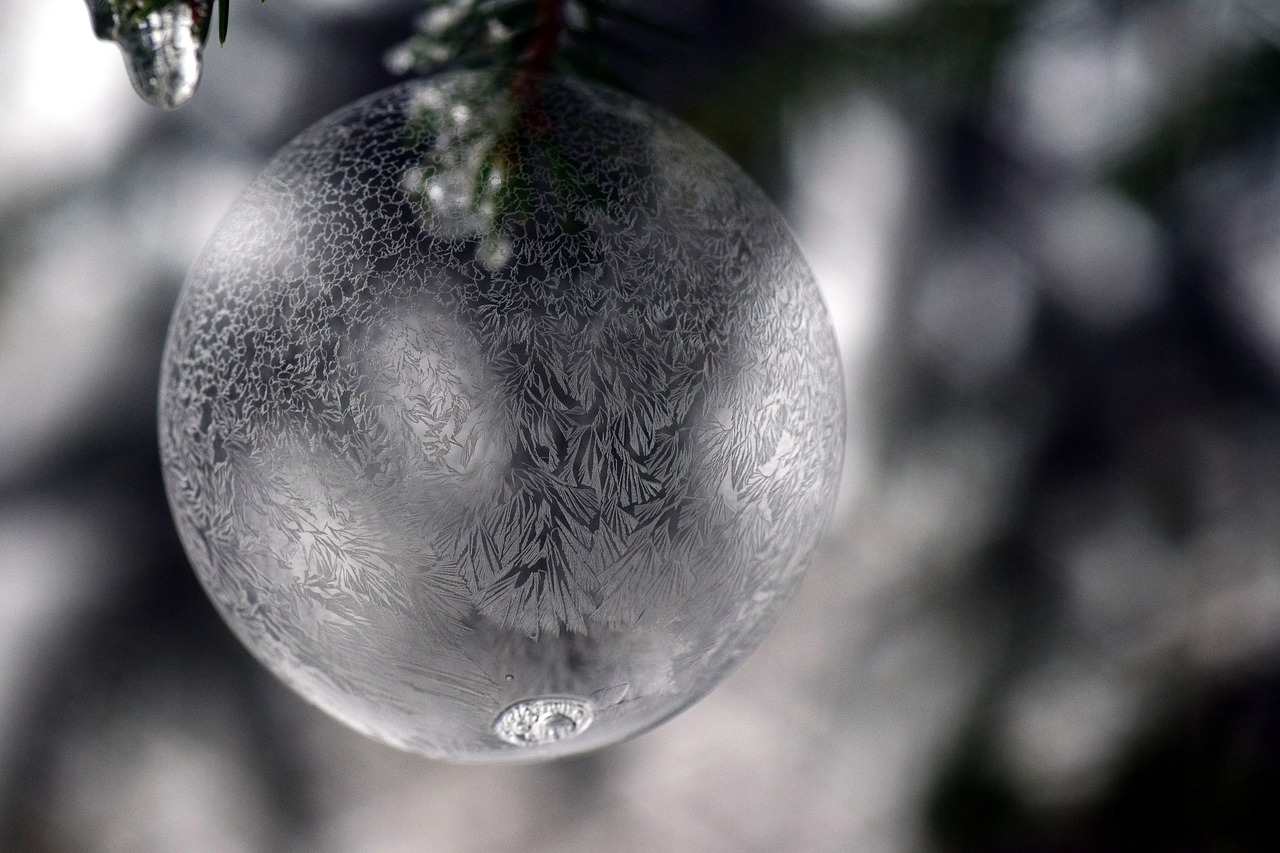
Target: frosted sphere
column 500, row 431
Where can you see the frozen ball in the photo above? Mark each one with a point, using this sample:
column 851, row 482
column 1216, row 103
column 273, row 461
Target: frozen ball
column 500, row 421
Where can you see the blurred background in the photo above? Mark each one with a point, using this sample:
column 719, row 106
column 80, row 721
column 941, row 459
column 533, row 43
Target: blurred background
column 1047, row 613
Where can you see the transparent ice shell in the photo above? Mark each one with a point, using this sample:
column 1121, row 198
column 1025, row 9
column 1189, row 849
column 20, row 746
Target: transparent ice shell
column 500, row 445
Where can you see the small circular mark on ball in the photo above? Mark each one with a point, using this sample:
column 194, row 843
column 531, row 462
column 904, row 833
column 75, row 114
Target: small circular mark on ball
column 538, row 722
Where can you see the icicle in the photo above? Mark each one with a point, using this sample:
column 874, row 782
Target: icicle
column 161, row 42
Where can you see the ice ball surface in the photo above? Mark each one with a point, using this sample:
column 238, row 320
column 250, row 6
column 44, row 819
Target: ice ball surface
column 500, row 430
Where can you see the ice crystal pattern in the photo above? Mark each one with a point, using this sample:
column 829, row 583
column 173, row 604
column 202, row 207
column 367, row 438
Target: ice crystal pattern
column 500, row 475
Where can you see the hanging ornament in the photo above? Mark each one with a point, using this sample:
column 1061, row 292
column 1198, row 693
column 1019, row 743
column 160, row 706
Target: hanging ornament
column 499, row 418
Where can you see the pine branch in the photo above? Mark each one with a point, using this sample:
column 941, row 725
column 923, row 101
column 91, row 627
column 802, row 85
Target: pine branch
column 162, row 40
column 533, row 37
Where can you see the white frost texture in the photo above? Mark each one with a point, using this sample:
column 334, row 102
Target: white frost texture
column 501, row 422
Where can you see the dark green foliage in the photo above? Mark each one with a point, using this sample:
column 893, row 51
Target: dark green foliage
column 513, row 34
